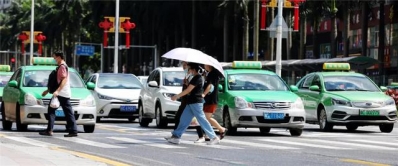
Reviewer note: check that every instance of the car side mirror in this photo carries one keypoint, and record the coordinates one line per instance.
(314, 88)
(153, 84)
(90, 85)
(383, 88)
(293, 88)
(220, 89)
(13, 84)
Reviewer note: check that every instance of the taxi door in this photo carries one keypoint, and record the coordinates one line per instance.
(313, 98)
(307, 97)
(11, 96)
(222, 95)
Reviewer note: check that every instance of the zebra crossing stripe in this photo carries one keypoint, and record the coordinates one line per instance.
(31, 141)
(352, 144)
(210, 146)
(268, 146)
(376, 142)
(303, 144)
(90, 143)
(147, 143)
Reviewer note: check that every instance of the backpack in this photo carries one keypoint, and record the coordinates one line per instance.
(52, 84)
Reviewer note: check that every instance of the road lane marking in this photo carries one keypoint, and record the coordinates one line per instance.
(37, 127)
(90, 143)
(31, 141)
(120, 131)
(135, 141)
(257, 144)
(352, 144)
(363, 162)
(210, 146)
(304, 144)
(376, 142)
(92, 157)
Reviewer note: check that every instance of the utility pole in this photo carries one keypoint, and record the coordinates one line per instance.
(278, 65)
(116, 51)
(255, 29)
(382, 34)
(32, 29)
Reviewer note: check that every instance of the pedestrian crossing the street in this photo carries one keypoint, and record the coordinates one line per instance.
(277, 143)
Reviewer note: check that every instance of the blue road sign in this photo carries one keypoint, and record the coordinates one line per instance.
(83, 50)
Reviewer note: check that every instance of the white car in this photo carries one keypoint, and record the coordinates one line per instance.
(155, 102)
(143, 79)
(116, 95)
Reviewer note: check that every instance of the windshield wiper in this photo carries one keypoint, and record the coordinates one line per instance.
(336, 89)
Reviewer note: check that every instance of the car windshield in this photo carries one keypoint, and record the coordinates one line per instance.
(4, 80)
(39, 78)
(173, 78)
(349, 83)
(118, 81)
(245, 81)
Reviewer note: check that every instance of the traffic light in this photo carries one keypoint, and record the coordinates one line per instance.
(12, 60)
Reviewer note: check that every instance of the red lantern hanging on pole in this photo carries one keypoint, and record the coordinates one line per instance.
(40, 38)
(127, 25)
(23, 36)
(296, 14)
(106, 25)
(263, 14)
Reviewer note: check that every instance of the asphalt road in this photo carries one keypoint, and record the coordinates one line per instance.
(131, 144)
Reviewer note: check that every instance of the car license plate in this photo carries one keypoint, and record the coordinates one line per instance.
(59, 113)
(269, 115)
(369, 113)
(128, 108)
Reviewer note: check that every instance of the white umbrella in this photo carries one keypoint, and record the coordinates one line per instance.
(193, 55)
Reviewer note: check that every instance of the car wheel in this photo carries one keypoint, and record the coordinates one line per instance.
(295, 132)
(89, 128)
(323, 121)
(7, 125)
(144, 122)
(265, 130)
(161, 122)
(132, 119)
(351, 127)
(20, 126)
(386, 128)
(228, 124)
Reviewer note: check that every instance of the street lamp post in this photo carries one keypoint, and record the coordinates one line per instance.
(32, 23)
(278, 65)
(116, 51)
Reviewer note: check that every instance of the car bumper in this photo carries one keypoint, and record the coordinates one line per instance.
(344, 115)
(294, 118)
(170, 108)
(112, 110)
(38, 115)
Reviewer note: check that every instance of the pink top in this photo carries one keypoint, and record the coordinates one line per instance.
(62, 73)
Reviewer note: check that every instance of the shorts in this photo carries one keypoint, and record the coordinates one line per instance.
(210, 108)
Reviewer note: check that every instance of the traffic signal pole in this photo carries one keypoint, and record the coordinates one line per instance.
(116, 51)
(32, 29)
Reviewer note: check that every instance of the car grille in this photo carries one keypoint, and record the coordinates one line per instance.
(122, 102)
(367, 104)
(272, 105)
(73, 102)
(261, 119)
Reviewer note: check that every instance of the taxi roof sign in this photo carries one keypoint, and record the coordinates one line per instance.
(247, 65)
(394, 83)
(336, 66)
(5, 68)
(44, 61)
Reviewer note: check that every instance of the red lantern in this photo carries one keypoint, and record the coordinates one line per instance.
(23, 37)
(263, 14)
(106, 25)
(40, 38)
(296, 14)
(127, 25)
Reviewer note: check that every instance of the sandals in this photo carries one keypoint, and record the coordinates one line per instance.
(222, 134)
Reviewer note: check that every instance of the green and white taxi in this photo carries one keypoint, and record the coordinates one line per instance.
(336, 96)
(5, 75)
(250, 97)
(24, 105)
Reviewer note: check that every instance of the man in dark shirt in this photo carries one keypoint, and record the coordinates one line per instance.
(211, 99)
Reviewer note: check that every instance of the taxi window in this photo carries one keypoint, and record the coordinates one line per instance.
(118, 81)
(256, 82)
(349, 83)
(4, 80)
(307, 82)
(39, 78)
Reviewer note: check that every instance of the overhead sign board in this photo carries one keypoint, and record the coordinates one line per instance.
(84, 50)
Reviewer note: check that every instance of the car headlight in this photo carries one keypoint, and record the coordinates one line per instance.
(32, 100)
(104, 97)
(88, 101)
(298, 104)
(168, 95)
(389, 102)
(341, 102)
(242, 103)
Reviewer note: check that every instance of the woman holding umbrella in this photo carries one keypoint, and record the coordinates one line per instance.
(194, 108)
